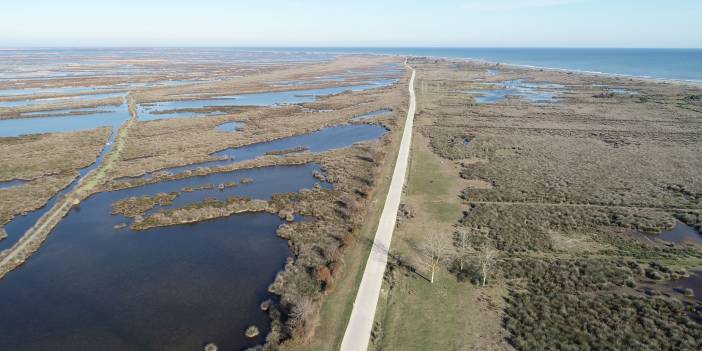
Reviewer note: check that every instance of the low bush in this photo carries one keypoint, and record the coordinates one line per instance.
(570, 321)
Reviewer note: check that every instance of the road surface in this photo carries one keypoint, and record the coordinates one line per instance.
(358, 330)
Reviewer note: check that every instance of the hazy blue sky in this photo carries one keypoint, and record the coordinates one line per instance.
(552, 23)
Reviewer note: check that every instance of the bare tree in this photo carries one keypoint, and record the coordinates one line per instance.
(300, 313)
(462, 245)
(435, 250)
(487, 256)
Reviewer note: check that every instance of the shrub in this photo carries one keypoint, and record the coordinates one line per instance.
(252, 332)
(600, 322)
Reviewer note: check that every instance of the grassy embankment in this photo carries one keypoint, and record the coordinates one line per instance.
(414, 314)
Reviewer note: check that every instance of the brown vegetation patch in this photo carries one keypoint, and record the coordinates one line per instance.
(49, 161)
(134, 206)
(32, 156)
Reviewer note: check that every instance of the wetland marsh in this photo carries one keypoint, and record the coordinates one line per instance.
(583, 192)
(180, 261)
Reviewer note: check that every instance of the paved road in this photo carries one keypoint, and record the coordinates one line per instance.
(358, 330)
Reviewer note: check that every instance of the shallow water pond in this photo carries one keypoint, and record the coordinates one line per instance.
(534, 92)
(694, 282)
(681, 234)
(371, 115)
(493, 72)
(230, 126)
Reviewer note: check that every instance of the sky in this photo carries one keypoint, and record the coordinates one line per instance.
(461, 23)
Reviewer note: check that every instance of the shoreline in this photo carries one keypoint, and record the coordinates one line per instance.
(692, 82)
(648, 79)
(333, 51)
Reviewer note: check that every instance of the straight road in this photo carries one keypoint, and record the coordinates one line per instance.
(358, 331)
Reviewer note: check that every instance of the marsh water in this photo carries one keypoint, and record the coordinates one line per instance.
(11, 183)
(49, 100)
(169, 109)
(98, 285)
(21, 223)
(230, 126)
(326, 139)
(681, 234)
(114, 116)
(21, 64)
(534, 92)
(67, 120)
(371, 115)
(694, 282)
(323, 140)
(165, 288)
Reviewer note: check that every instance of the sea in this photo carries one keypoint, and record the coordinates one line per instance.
(667, 64)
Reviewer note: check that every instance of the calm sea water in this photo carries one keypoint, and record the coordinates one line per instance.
(678, 64)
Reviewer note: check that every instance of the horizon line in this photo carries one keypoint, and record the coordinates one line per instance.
(30, 47)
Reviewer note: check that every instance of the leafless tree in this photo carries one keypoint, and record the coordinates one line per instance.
(487, 256)
(300, 313)
(462, 245)
(435, 250)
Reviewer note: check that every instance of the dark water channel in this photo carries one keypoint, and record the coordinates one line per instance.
(94, 287)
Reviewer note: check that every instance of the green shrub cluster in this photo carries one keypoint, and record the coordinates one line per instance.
(557, 275)
(572, 305)
(601, 322)
(693, 219)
